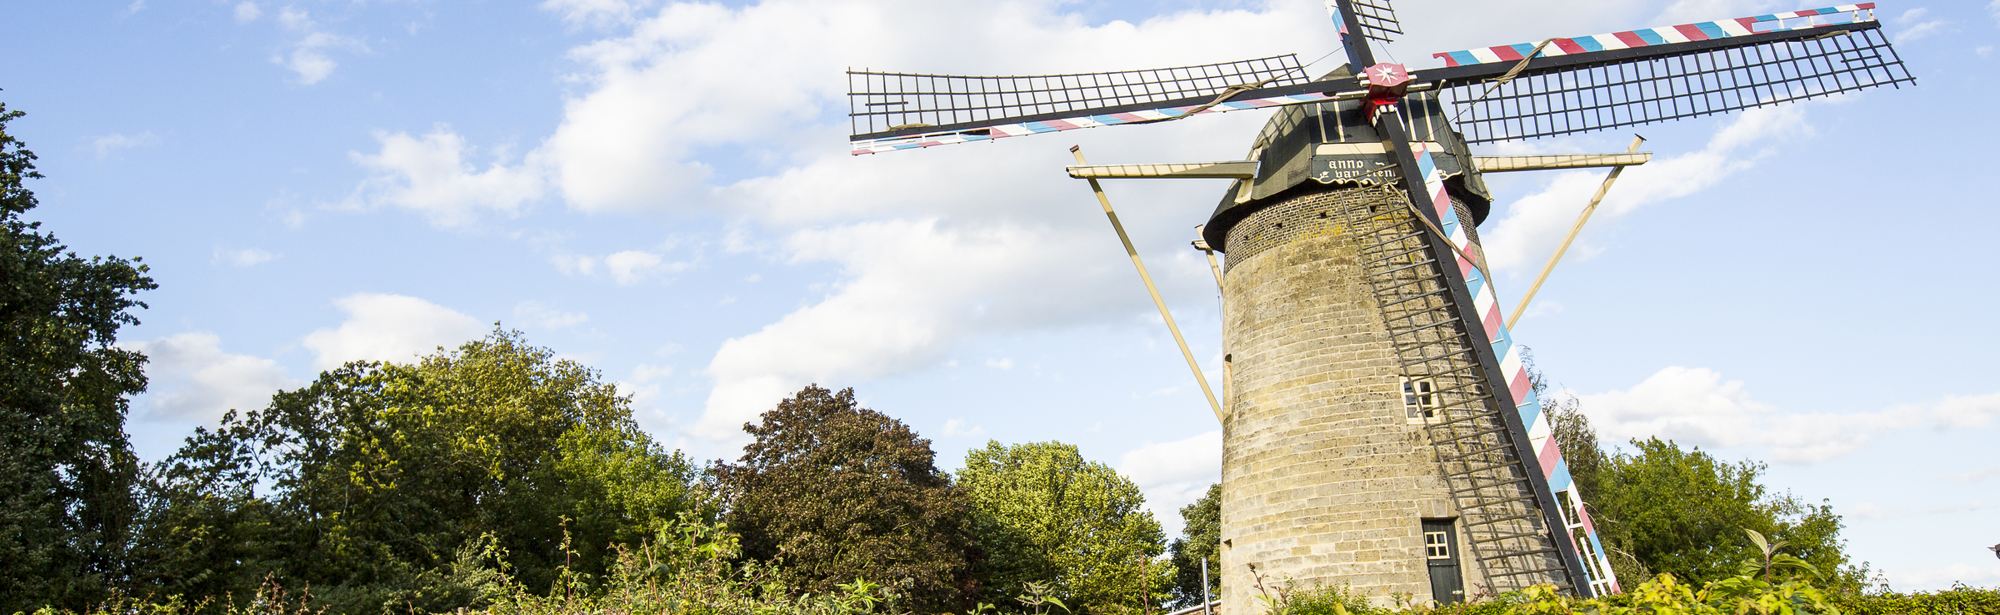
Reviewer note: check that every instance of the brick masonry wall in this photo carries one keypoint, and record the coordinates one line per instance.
(1325, 480)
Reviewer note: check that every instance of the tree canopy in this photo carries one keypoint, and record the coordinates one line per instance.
(1045, 515)
(1663, 509)
(66, 467)
(1201, 537)
(838, 492)
(373, 481)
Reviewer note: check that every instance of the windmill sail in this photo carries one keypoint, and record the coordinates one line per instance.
(892, 111)
(1571, 85)
(1377, 18)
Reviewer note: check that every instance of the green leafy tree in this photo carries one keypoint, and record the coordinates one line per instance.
(66, 468)
(1045, 515)
(1662, 509)
(375, 483)
(1201, 537)
(837, 493)
(1684, 513)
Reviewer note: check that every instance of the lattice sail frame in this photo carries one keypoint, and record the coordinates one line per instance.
(1377, 18)
(881, 102)
(1591, 83)
(1604, 81)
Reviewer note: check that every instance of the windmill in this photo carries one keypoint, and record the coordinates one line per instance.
(1379, 428)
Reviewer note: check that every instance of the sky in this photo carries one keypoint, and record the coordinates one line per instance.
(663, 191)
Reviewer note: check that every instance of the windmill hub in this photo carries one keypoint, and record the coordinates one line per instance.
(1386, 85)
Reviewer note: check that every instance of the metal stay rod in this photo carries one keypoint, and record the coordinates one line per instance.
(1105, 201)
(1581, 218)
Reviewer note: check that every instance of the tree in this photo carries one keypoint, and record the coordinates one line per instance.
(383, 479)
(1044, 515)
(66, 468)
(1662, 509)
(1683, 512)
(837, 492)
(1201, 537)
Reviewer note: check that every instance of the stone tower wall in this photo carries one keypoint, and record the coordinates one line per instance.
(1325, 479)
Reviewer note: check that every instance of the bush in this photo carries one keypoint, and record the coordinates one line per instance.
(687, 569)
(1959, 600)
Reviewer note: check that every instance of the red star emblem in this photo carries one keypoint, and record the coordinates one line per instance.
(1387, 75)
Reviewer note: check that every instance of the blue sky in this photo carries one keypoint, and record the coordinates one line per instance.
(662, 191)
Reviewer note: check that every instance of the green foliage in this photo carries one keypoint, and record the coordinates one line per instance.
(66, 468)
(1201, 537)
(382, 475)
(1290, 599)
(1682, 512)
(1662, 509)
(1044, 515)
(838, 492)
(688, 568)
(1959, 600)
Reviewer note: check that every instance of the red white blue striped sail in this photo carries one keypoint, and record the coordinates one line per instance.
(1708, 30)
(1541, 434)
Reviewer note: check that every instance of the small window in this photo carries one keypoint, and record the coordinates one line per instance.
(1437, 545)
(1420, 398)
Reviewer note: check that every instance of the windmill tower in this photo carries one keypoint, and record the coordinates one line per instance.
(1379, 428)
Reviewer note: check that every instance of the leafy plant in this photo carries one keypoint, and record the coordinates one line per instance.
(1035, 596)
(1772, 559)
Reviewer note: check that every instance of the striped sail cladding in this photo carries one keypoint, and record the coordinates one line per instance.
(1709, 30)
(1540, 435)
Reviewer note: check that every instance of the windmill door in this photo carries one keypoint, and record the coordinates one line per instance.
(1441, 555)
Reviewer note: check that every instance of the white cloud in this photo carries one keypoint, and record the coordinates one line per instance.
(1966, 412)
(246, 257)
(631, 266)
(1983, 51)
(309, 59)
(1174, 474)
(956, 428)
(135, 7)
(572, 264)
(1994, 8)
(649, 373)
(111, 143)
(648, 395)
(191, 378)
(1875, 512)
(1194, 459)
(1914, 26)
(431, 176)
(1979, 474)
(247, 12)
(598, 12)
(543, 316)
(911, 290)
(389, 328)
(1532, 227)
(626, 268)
(1696, 406)
(1984, 574)
(1000, 364)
